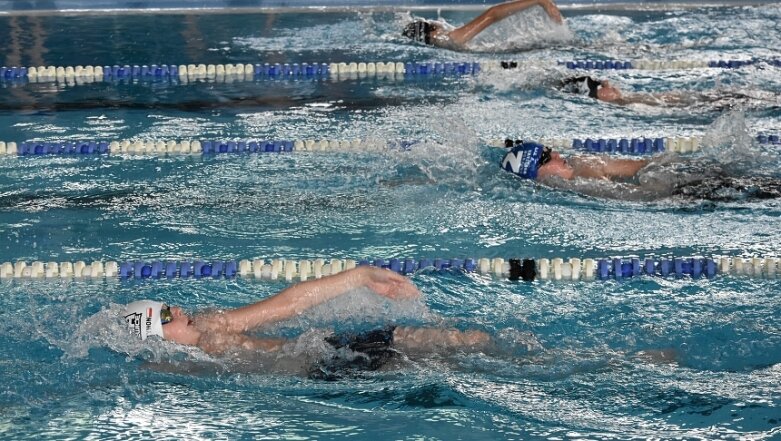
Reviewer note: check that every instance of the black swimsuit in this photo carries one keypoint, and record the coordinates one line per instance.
(727, 188)
(368, 351)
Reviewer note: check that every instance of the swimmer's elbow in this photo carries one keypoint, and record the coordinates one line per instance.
(454, 39)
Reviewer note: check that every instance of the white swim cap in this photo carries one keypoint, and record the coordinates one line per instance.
(143, 317)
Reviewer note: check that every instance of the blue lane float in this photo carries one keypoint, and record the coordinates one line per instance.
(657, 64)
(768, 139)
(217, 147)
(442, 69)
(596, 65)
(631, 146)
(197, 269)
(626, 146)
(259, 70)
(62, 148)
(676, 267)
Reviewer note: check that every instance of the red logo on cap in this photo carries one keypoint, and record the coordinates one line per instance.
(149, 312)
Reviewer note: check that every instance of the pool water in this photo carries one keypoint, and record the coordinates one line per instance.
(640, 358)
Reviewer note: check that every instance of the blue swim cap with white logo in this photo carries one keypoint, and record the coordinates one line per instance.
(523, 160)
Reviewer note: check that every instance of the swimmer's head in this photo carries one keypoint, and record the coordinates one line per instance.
(419, 30)
(555, 167)
(146, 318)
(598, 89)
(581, 85)
(525, 158)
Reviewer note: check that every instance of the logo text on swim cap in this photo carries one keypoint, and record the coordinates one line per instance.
(148, 320)
(518, 161)
(134, 320)
(522, 160)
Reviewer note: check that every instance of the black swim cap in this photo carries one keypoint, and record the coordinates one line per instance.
(582, 85)
(419, 30)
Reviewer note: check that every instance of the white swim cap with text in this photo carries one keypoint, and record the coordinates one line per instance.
(143, 318)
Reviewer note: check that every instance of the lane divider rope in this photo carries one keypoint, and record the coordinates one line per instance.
(631, 146)
(250, 72)
(234, 72)
(627, 146)
(559, 269)
(645, 64)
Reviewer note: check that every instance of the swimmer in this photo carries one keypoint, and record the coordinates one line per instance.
(533, 161)
(440, 34)
(226, 331)
(633, 179)
(605, 91)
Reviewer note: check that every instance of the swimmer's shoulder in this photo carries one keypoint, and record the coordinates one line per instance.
(589, 167)
(443, 38)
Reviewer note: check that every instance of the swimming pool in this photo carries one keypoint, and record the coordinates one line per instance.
(573, 366)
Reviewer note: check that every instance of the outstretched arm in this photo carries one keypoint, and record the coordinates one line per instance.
(605, 167)
(498, 12)
(606, 189)
(302, 296)
(431, 339)
(623, 168)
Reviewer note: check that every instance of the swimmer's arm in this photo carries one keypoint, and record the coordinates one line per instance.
(410, 339)
(602, 188)
(623, 168)
(605, 167)
(496, 13)
(218, 343)
(264, 344)
(649, 99)
(302, 296)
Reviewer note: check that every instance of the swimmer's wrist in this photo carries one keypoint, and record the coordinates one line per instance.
(358, 276)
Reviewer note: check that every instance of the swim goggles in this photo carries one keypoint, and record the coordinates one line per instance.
(165, 315)
(545, 156)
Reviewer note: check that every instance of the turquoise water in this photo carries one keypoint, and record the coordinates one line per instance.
(572, 359)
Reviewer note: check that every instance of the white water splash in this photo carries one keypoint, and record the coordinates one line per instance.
(728, 143)
(522, 31)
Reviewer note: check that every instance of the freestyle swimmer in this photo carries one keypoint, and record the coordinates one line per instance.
(605, 91)
(441, 34)
(226, 331)
(633, 179)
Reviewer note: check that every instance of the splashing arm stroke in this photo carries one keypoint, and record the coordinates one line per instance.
(300, 297)
(467, 32)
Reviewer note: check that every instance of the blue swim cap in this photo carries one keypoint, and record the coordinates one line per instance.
(523, 160)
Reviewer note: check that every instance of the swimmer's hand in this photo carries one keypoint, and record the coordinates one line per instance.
(552, 10)
(387, 283)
